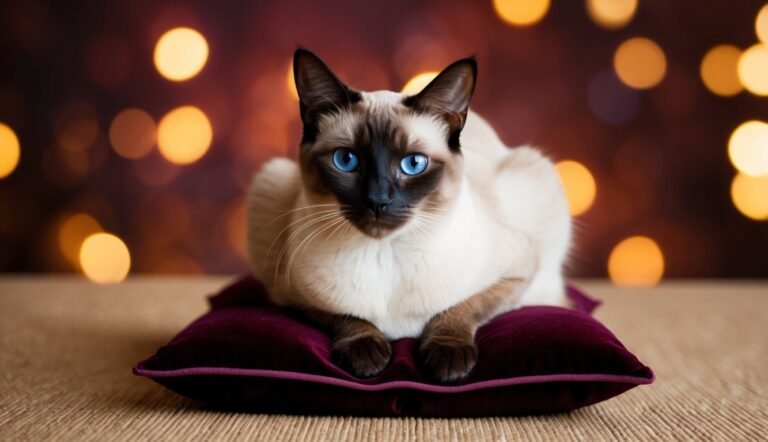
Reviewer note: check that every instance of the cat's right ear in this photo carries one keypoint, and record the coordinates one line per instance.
(319, 90)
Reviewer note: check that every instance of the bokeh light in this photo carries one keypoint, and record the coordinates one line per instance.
(72, 231)
(104, 258)
(750, 195)
(290, 82)
(184, 135)
(77, 127)
(10, 150)
(132, 133)
(748, 148)
(636, 261)
(180, 54)
(761, 24)
(640, 63)
(611, 14)
(719, 70)
(753, 69)
(579, 185)
(418, 82)
(521, 12)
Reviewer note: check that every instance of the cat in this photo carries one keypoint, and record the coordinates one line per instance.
(405, 216)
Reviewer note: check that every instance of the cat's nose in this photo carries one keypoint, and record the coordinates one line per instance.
(378, 204)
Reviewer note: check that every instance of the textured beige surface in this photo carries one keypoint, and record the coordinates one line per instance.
(67, 347)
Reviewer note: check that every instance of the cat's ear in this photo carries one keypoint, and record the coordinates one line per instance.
(448, 95)
(318, 88)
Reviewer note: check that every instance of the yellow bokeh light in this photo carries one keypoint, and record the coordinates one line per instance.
(748, 148)
(636, 261)
(105, 258)
(750, 196)
(719, 70)
(180, 54)
(418, 82)
(753, 69)
(761, 24)
(10, 151)
(611, 14)
(290, 82)
(640, 63)
(72, 232)
(521, 12)
(579, 185)
(132, 133)
(184, 135)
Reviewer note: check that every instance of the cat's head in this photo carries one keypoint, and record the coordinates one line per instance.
(387, 158)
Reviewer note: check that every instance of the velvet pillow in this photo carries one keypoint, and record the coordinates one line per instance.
(248, 354)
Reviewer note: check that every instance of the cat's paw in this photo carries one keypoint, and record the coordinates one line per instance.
(363, 356)
(446, 359)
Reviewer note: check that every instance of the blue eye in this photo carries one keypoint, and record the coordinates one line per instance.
(345, 160)
(414, 164)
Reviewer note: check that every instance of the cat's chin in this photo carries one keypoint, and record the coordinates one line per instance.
(378, 228)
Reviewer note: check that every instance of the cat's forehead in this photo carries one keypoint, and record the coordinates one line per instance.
(382, 114)
(382, 100)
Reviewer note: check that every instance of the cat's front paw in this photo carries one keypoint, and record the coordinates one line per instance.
(363, 356)
(447, 359)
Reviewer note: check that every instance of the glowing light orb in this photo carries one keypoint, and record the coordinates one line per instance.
(184, 135)
(761, 24)
(418, 82)
(180, 54)
(521, 12)
(79, 134)
(72, 232)
(579, 185)
(640, 63)
(748, 148)
(10, 151)
(750, 196)
(132, 133)
(753, 69)
(105, 258)
(719, 70)
(290, 82)
(611, 14)
(636, 261)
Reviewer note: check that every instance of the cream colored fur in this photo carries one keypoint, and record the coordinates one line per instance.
(510, 220)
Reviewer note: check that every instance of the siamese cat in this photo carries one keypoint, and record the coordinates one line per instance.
(405, 216)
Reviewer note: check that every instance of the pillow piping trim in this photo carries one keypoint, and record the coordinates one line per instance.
(391, 385)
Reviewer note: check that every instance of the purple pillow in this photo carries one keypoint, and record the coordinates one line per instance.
(249, 354)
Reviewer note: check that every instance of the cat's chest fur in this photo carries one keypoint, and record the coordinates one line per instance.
(398, 283)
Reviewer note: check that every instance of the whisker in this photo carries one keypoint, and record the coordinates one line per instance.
(288, 212)
(294, 222)
(286, 244)
(305, 243)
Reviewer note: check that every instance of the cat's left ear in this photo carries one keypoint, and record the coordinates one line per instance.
(319, 90)
(448, 95)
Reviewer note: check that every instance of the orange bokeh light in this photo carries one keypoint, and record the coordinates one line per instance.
(10, 151)
(132, 133)
(180, 54)
(640, 63)
(418, 82)
(579, 185)
(636, 262)
(719, 70)
(184, 135)
(521, 12)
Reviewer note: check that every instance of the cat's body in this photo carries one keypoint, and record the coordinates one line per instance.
(482, 230)
(511, 214)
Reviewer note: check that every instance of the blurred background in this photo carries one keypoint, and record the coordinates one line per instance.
(129, 130)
